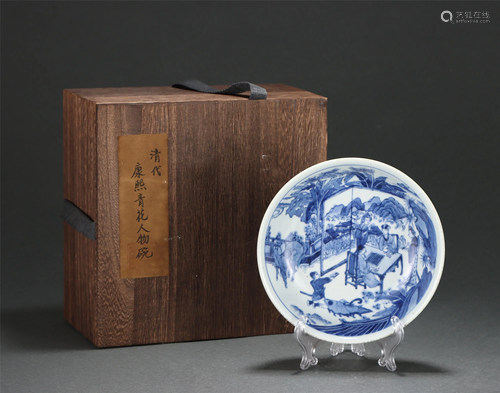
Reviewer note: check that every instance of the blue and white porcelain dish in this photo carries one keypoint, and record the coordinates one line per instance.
(350, 243)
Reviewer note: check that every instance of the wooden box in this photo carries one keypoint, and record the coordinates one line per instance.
(224, 160)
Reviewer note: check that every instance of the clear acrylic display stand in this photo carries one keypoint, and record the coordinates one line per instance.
(388, 345)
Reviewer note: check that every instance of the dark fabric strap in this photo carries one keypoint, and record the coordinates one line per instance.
(256, 92)
(78, 219)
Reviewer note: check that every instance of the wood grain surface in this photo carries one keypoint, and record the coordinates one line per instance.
(227, 158)
(80, 187)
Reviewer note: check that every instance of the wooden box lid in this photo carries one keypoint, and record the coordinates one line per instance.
(154, 95)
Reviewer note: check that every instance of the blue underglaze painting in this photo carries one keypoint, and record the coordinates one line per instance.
(349, 248)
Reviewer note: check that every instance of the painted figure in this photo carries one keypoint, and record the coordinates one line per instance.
(364, 274)
(287, 257)
(362, 264)
(387, 243)
(361, 231)
(292, 255)
(278, 260)
(318, 283)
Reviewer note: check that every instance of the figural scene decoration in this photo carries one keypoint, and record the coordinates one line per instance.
(350, 243)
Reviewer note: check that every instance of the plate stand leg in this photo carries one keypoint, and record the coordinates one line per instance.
(307, 343)
(358, 349)
(336, 349)
(389, 345)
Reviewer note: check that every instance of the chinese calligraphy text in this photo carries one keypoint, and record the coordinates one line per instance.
(143, 185)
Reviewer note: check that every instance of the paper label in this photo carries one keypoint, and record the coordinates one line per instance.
(143, 193)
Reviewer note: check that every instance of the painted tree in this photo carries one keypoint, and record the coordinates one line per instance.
(306, 199)
(367, 179)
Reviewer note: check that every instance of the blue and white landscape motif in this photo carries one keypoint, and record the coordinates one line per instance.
(349, 248)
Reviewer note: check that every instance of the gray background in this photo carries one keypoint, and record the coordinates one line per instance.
(403, 87)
